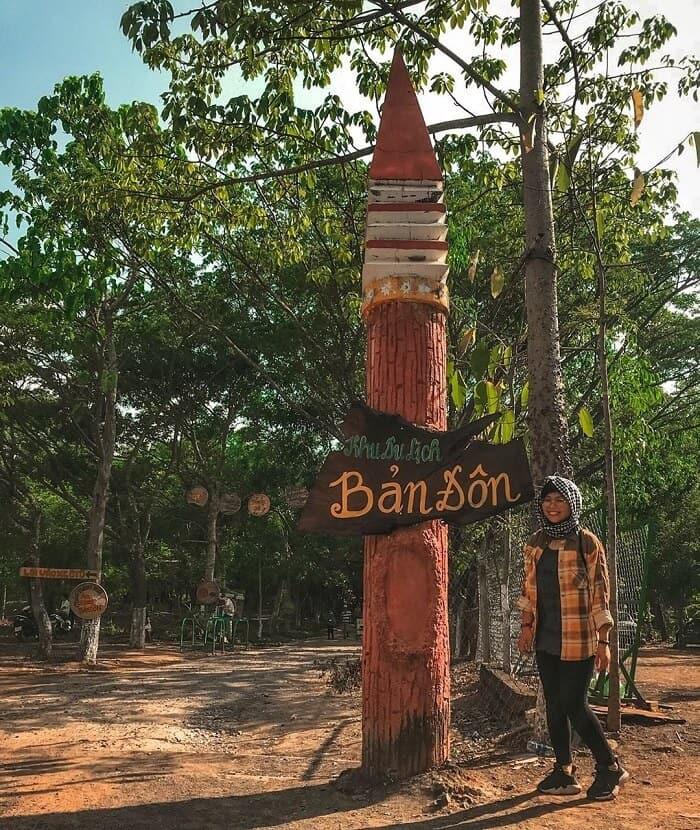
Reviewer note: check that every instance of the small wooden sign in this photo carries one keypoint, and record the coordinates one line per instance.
(296, 497)
(208, 593)
(230, 503)
(259, 504)
(197, 495)
(88, 600)
(57, 573)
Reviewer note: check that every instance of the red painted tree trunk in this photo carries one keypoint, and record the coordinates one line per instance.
(406, 681)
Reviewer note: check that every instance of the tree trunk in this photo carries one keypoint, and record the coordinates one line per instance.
(36, 595)
(106, 436)
(137, 635)
(260, 598)
(282, 591)
(614, 720)
(659, 617)
(41, 617)
(546, 413)
(212, 525)
(406, 680)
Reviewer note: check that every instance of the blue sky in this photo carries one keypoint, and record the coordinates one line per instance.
(42, 41)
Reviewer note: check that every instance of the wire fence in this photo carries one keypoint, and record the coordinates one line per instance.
(501, 574)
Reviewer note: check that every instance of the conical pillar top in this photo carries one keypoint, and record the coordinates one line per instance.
(403, 151)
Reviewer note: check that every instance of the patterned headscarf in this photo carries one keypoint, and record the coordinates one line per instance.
(572, 494)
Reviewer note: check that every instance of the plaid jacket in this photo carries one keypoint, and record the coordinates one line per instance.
(584, 594)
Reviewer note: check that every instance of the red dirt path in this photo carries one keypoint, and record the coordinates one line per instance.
(160, 740)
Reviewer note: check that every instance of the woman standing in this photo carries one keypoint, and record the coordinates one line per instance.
(566, 618)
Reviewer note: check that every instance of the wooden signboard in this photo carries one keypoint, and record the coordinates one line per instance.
(296, 497)
(391, 473)
(57, 573)
(88, 600)
(259, 504)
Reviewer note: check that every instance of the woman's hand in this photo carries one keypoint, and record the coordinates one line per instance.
(602, 657)
(525, 639)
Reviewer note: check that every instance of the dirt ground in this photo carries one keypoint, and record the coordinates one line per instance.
(256, 740)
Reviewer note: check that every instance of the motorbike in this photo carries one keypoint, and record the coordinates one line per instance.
(24, 625)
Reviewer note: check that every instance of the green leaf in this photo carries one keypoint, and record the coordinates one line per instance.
(479, 360)
(599, 223)
(480, 397)
(525, 395)
(507, 426)
(458, 390)
(563, 178)
(586, 421)
(495, 357)
(553, 170)
(493, 396)
(573, 148)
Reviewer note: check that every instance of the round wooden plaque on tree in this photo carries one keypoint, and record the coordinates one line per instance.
(88, 600)
(259, 504)
(197, 495)
(230, 503)
(207, 593)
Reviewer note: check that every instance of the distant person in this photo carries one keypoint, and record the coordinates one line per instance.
(330, 625)
(347, 622)
(66, 611)
(148, 630)
(565, 604)
(227, 609)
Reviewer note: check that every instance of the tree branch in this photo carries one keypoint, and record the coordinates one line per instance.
(442, 126)
(433, 41)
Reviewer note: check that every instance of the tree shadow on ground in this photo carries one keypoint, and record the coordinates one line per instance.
(55, 698)
(272, 809)
(17, 777)
(244, 812)
(507, 812)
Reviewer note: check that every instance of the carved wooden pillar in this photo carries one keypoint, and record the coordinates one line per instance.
(406, 681)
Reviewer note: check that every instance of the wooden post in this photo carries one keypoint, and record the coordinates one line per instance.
(506, 661)
(484, 637)
(614, 719)
(406, 681)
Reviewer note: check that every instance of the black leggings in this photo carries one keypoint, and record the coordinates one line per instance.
(565, 685)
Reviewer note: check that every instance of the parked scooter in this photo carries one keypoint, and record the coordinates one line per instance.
(25, 628)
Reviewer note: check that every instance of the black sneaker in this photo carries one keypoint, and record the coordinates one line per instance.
(559, 782)
(606, 783)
